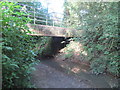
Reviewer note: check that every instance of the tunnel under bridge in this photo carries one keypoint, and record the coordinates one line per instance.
(53, 45)
(60, 36)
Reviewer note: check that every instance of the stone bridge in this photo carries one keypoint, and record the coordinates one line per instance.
(45, 30)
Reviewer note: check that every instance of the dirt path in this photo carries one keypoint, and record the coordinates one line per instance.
(48, 77)
(50, 74)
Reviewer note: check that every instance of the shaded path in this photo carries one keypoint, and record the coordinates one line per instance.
(48, 77)
(49, 74)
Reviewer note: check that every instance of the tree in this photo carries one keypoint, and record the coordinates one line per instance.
(100, 23)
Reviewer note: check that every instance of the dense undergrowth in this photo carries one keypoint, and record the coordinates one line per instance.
(18, 49)
(100, 38)
(43, 46)
(17, 53)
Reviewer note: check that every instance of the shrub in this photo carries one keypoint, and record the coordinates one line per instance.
(17, 54)
(43, 46)
(100, 24)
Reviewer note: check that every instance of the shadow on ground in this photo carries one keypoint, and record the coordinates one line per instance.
(54, 74)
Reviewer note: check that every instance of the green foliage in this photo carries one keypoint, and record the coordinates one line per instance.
(43, 46)
(100, 23)
(17, 54)
(69, 53)
(98, 65)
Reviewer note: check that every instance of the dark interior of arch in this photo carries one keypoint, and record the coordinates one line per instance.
(57, 43)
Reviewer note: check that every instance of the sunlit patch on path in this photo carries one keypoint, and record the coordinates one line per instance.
(47, 77)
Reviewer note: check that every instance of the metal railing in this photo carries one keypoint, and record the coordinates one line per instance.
(45, 18)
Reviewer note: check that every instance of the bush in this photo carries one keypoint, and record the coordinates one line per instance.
(100, 24)
(43, 46)
(101, 37)
(17, 47)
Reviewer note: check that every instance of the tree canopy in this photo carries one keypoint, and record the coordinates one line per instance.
(99, 20)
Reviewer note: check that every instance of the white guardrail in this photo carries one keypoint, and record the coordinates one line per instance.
(47, 18)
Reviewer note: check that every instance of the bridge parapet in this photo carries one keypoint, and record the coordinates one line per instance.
(45, 30)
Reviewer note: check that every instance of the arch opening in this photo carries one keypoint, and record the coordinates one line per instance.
(57, 43)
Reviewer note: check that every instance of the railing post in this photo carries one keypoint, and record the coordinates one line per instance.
(60, 23)
(53, 23)
(34, 15)
(46, 20)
